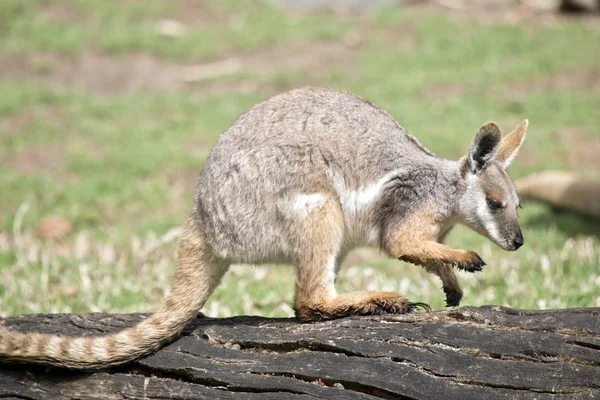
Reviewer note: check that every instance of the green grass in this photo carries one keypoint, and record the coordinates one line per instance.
(119, 27)
(120, 167)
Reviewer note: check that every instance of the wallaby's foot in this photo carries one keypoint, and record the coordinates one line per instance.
(453, 297)
(358, 303)
(471, 263)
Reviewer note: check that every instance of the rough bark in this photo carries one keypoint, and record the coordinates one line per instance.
(466, 353)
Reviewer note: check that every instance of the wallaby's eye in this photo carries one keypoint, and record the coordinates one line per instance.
(493, 203)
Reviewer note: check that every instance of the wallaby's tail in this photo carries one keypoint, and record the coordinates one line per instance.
(196, 277)
(562, 190)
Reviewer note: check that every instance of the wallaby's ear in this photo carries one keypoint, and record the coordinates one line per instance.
(509, 145)
(484, 147)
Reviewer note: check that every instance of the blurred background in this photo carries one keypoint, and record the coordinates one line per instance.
(108, 110)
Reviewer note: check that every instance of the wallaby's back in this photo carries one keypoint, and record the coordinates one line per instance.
(309, 140)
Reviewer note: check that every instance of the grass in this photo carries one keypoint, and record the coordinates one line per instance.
(117, 27)
(121, 166)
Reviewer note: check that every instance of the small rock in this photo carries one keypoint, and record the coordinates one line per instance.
(170, 28)
(232, 346)
(202, 72)
(54, 227)
(338, 385)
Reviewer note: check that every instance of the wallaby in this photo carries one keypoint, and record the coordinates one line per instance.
(303, 178)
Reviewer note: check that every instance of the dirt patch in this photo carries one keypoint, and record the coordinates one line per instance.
(585, 80)
(63, 12)
(198, 12)
(582, 151)
(446, 90)
(199, 145)
(189, 12)
(314, 56)
(12, 125)
(92, 71)
(132, 73)
(400, 38)
(527, 157)
(182, 183)
(38, 159)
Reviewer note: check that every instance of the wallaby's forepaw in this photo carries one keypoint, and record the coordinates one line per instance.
(471, 263)
(453, 297)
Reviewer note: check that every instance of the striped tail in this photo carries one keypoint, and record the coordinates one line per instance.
(93, 352)
(197, 276)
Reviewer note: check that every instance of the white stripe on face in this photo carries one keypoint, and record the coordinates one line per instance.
(484, 214)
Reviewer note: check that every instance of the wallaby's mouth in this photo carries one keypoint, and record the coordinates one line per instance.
(513, 244)
(517, 240)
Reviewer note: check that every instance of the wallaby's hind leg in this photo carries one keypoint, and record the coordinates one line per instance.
(317, 235)
(357, 303)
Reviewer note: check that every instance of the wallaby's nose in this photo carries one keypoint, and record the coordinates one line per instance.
(518, 240)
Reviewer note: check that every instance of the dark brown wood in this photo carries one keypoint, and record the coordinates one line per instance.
(465, 353)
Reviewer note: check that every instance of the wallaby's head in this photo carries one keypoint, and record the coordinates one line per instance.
(489, 202)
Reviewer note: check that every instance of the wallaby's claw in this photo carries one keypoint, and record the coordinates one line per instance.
(474, 265)
(405, 308)
(415, 307)
(452, 297)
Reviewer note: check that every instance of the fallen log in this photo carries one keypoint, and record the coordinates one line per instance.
(563, 191)
(464, 353)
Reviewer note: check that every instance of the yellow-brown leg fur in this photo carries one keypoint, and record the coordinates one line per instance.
(414, 242)
(317, 248)
(357, 303)
(450, 283)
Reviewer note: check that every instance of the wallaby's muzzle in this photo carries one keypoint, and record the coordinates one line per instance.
(518, 240)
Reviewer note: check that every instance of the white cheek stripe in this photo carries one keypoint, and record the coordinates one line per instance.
(483, 212)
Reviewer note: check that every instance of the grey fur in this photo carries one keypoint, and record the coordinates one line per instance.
(312, 140)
